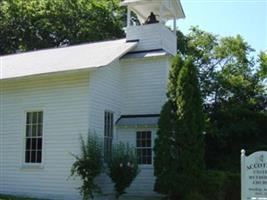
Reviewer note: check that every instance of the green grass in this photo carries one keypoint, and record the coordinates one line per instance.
(8, 197)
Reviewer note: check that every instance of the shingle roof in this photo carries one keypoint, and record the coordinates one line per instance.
(70, 58)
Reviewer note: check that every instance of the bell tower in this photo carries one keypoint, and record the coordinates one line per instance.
(152, 32)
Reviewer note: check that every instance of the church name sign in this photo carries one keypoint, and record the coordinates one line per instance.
(254, 176)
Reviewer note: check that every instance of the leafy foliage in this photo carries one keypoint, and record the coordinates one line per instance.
(179, 150)
(122, 167)
(220, 185)
(195, 196)
(263, 65)
(36, 24)
(228, 71)
(88, 165)
(233, 90)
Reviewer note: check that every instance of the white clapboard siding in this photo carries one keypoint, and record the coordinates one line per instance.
(143, 185)
(144, 85)
(73, 104)
(105, 92)
(153, 36)
(64, 101)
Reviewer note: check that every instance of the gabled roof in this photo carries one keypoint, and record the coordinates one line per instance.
(92, 55)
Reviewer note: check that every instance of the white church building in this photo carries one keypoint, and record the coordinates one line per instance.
(48, 98)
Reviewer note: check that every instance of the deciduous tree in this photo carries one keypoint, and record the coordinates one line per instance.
(36, 24)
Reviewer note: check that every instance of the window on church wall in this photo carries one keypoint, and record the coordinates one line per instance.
(108, 134)
(144, 147)
(34, 137)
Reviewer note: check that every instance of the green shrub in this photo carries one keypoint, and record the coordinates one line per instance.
(88, 165)
(122, 167)
(233, 187)
(220, 185)
(194, 196)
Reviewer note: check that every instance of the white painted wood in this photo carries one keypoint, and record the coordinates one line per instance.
(105, 92)
(142, 8)
(144, 183)
(152, 36)
(144, 84)
(128, 17)
(64, 102)
(77, 57)
(74, 103)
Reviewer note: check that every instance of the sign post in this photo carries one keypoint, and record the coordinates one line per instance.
(254, 176)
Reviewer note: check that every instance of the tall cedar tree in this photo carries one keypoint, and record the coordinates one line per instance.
(179, 149)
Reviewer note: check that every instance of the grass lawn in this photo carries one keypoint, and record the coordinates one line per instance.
(7, 197)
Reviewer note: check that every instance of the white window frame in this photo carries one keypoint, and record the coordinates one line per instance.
(108, 134)
(142, 148)
(32, 164)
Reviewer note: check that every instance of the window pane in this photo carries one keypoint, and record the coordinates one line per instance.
(138, 143)
(148, 135)
(138, 135)
(33, 141)
(143, 145)
(28, 130)
(33, 156)
(39, 145)
(34, 130)
(40, 117)
(34, 117)
(39, 156)
(108, 133)
(40, 130)
(29, 118)
(105, 124)
(27, 156)
(111, 125)
(28, 143)
(148, 143)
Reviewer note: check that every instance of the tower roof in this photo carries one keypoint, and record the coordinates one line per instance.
(167, 9)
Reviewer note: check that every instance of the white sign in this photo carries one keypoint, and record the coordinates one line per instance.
(254, 176)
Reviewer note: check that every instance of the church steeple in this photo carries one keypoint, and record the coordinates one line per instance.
(152, 32)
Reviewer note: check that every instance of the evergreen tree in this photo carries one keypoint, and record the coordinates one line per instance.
(179, 150)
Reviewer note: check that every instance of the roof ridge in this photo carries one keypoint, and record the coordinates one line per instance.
(57, 48)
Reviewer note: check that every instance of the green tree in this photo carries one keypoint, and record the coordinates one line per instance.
(263, 64)
(228, 70)
(88, 165)
(233, 91)
(36, 24)
(179, 150)
(122, 167)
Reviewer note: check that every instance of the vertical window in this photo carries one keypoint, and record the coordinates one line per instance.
(34, 137)
(144, 147)
(108, 135)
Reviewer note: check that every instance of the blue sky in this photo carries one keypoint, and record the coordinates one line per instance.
(229, 18)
